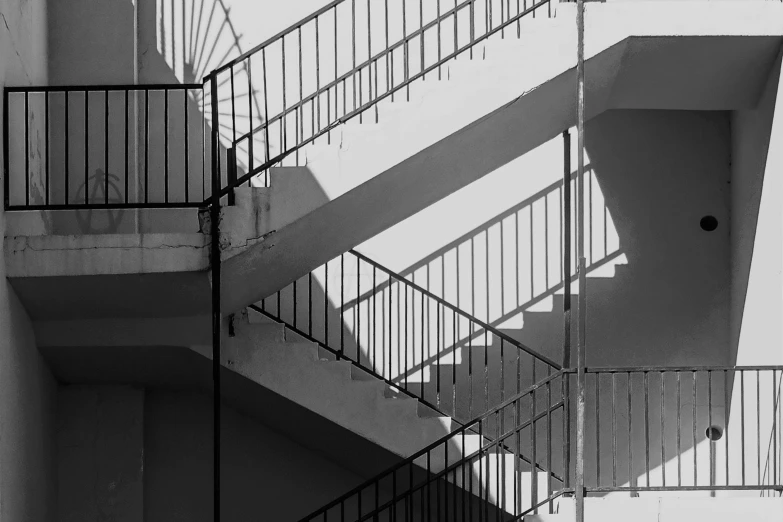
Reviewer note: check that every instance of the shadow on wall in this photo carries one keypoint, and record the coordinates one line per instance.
(153, 143)
(660, 173)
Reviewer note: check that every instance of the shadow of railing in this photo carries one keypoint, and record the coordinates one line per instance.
(526, 244)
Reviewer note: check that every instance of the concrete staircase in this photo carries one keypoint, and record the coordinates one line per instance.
(271, 355)
(486, 113)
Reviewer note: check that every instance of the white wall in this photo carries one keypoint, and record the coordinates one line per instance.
(757, 260)
(757, 230)
(27, 389)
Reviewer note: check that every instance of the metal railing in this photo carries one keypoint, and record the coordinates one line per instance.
(648, 429)
(342, 61)
(321, 72)
(504, 464)
(683, 429)
(118, 146)
(414, 340)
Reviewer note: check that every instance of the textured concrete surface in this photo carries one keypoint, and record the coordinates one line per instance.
(371, 183)
(100, 453)
(667, 510)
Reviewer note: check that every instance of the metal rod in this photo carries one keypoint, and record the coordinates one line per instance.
(86, 147)
(581, 312)
(216, 308)
(6, 150)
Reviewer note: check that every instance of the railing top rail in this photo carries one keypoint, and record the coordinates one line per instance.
(272, 39)
(339, 121)
(458, 311)
(359, 66)
(115, 87)
(451, 467)
(642, 369)
(443, 440)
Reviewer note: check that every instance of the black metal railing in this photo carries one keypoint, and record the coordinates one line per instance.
(647, 429)
(504, 464)
(683, 429)
(146, 145)
(414, 340)
(119, 146)
(342, 61)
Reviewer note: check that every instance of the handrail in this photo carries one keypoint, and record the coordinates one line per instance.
(411, 460)
(371, 371)
(459, 311)
(452, 467)
(289, 29)
(296, 109)
(328, 348)
(107, 87)
(345, 76)
(399, 332)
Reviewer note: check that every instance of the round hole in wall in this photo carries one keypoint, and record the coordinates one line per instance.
(714, 433)
(708, 223)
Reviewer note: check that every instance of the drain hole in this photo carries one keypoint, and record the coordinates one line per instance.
(708, 223)
(714, 433)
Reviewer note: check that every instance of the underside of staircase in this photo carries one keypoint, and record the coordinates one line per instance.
(477, 117)
(464, 418)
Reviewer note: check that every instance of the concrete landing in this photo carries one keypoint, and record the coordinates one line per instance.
(669, 510)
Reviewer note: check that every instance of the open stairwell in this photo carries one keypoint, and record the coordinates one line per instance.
(358, 179)
(269, 354)
(380, 379)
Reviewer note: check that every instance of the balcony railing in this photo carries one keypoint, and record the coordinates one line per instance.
(149, 145)
(692, 430)
(119, 146)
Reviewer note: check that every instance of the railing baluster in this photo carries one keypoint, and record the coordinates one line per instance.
(693, 429)
(318, 71)
(126, 132)
(597, 431)
(742, 421)
(105, 145)
(614, 431)
(758, 425)
(679, 431)
(166, 137)
(710, 434)
(631, 478)
(663, 429)
(147, 145)
(421, 38)
(86, 149)
(326, 304)
(342, 304)
(726, 404)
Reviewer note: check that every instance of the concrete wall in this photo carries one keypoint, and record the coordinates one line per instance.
(27, 389)
(757, 258)
(161, 41)
(653, 176)
(757, 253)
(100, 453)
(658, 290)
(264, 473)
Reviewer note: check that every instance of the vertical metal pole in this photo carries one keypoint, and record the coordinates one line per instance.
(567, 304)
(6, 152)
(580, 376)
(216, 317)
